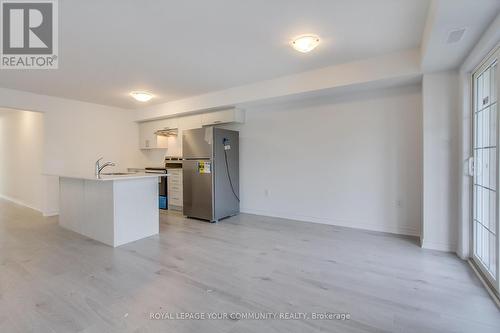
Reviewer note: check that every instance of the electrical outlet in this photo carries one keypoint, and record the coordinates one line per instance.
(266, 192)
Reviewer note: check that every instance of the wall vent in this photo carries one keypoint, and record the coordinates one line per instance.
(455, 36)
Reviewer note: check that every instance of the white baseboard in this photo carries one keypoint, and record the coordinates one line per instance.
(446, 247)
(53, 213)
(24, 204)
(19, 202)
(400, 230)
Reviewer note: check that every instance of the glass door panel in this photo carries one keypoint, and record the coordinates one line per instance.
(485, 185)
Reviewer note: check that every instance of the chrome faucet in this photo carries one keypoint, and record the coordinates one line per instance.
(99, 167)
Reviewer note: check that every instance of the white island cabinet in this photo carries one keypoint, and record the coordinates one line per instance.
(114, 210)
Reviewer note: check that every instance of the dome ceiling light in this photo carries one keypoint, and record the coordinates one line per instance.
(305, 43)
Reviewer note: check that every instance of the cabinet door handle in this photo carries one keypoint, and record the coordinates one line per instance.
(217, 122)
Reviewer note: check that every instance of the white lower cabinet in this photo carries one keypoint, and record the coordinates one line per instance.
(174, 184)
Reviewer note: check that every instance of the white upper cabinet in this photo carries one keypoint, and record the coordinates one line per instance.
(166, 123)
(147, 137)
(223, 117)
(149, 140)
(189, 122)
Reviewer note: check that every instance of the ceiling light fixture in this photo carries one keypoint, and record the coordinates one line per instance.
(305, 43)
(141, 96)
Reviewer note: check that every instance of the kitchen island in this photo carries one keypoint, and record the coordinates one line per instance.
(112, 209)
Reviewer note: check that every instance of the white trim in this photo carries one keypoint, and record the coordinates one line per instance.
(52, 213)
(400, 230)
(445, 247)
(492, 57)
(489, 40)
(485, 60)
(24, 204)
(19, 202)
(466, 181)
(492, 294)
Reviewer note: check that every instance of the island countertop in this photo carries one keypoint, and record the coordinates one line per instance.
(108, 177)
(115, 209)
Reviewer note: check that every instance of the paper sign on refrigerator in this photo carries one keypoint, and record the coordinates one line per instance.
(204, 167)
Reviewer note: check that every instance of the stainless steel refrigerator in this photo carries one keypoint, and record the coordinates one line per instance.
(210, 172)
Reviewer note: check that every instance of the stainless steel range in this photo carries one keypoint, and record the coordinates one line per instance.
(171, 163)
(162, 186)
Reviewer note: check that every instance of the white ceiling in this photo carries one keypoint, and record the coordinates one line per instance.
(449, 15)
(182, 48)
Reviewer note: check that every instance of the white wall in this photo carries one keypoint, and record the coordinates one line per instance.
(442, 169)
(76, 137)
(351, 160)
(76, 134)
(21, 156)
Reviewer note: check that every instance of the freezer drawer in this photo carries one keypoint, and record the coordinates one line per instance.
(197, 191)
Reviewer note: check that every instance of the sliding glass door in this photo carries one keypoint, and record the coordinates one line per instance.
(485, 236)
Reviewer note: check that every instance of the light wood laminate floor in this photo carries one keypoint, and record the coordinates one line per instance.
(54, 280)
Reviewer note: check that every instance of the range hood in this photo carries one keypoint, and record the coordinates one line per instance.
(167, 132)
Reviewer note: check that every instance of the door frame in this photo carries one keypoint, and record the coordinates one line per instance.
(487, 61)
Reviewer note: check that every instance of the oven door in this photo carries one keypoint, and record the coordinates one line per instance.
(162, 186)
